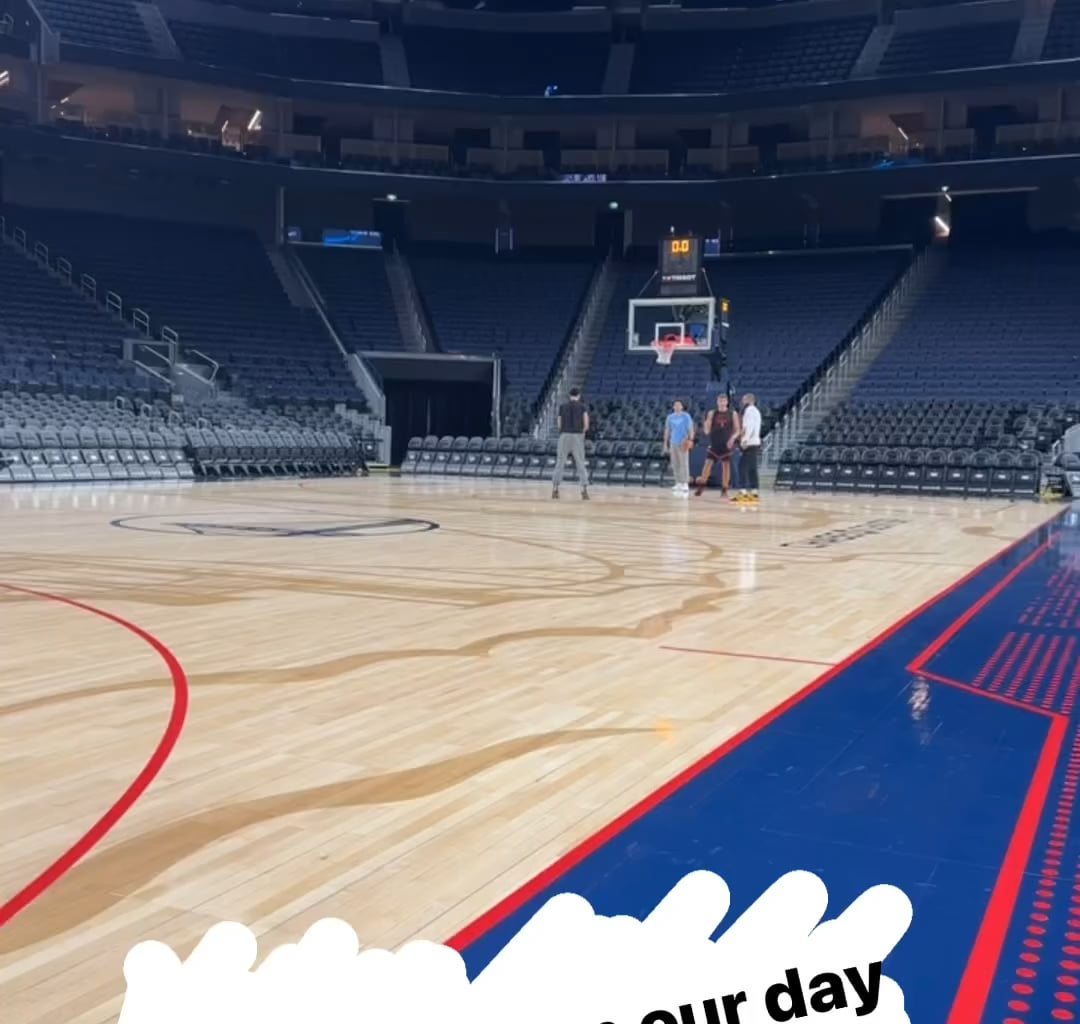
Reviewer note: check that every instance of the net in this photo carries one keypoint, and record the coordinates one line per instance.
(664, 351)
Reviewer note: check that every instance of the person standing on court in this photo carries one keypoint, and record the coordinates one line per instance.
(573, 426)
(722, 429)
(678, 440)
(750, 443)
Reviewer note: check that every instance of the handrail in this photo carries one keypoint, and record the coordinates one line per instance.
(570, 339)
(154, 352)
(172, 339)
(842, 347)
(213, 363)
(153, 373)
(88, 288)
(421, 315)
(787, 429)
(373, 392)
(561, 369)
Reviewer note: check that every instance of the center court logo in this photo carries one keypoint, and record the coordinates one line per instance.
(778, 962)
(223, 527)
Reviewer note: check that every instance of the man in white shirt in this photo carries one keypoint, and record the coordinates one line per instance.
(750, 445)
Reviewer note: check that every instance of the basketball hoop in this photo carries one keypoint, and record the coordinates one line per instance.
(664, 351)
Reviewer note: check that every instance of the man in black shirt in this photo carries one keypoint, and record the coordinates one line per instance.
(573, 426)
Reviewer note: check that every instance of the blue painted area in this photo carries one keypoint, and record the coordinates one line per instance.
(876, 777)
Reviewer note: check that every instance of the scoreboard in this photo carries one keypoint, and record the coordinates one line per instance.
(680, 265)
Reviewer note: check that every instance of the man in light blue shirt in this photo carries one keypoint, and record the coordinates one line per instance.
(678, 440)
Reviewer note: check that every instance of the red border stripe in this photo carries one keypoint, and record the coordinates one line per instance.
(981, 969)
(519, 897)
(60, 867)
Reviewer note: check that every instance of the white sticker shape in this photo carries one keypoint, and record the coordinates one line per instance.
(778, 962)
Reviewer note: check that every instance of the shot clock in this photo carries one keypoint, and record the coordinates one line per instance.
(680, 265)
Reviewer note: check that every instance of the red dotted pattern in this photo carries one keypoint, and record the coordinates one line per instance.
(1059, 675)
(1032, 668)
(1010, 663)
(1061, 605)
(1006, 642)
(1041, 958)
(1025, 666)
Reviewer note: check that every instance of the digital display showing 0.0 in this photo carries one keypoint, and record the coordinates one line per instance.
(680, 263)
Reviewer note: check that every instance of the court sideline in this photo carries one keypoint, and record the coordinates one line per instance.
(536, 640)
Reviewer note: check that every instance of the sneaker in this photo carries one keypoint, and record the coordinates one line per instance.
(699, 490)
(554, 493)
(584, 493)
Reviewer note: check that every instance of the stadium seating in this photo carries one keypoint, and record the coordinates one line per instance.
(1063, 35)
(725, 60)
(354, 287)
(315, 58)
(507, 64)
(966, 449)
(217, 288)
(1009, 318)
(521, 306)
(967, 46)
(775, 345)
(63, 438)
(627, 463)
(53, 339)
(971, 394)
(102, 24)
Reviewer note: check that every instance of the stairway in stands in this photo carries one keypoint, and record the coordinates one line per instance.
(867, 346)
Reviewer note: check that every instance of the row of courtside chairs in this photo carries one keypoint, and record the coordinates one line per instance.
(61, 465)
(960, 473)
(223, 453)
(175, 455)
(633, 463)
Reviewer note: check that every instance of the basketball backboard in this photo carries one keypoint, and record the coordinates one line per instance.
(688, 322)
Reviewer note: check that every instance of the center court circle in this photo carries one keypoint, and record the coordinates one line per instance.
(225, 527)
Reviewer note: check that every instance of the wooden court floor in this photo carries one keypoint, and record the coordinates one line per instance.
(407, 697)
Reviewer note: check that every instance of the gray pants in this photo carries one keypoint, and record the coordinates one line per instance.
(574, 446)
(680, 464)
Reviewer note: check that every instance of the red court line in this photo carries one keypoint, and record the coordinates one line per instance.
(981, 970)
(1011, 702)
(979, 974)
(519, 897)
(750, 657)
(931, 651)
(55, 871)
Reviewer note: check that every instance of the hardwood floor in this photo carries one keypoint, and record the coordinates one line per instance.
(406, 696)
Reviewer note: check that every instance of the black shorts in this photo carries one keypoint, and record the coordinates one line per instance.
(716, 456)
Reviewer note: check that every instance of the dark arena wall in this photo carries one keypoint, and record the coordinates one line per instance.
(780, 214)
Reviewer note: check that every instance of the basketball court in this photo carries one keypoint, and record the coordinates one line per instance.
(424, 706)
